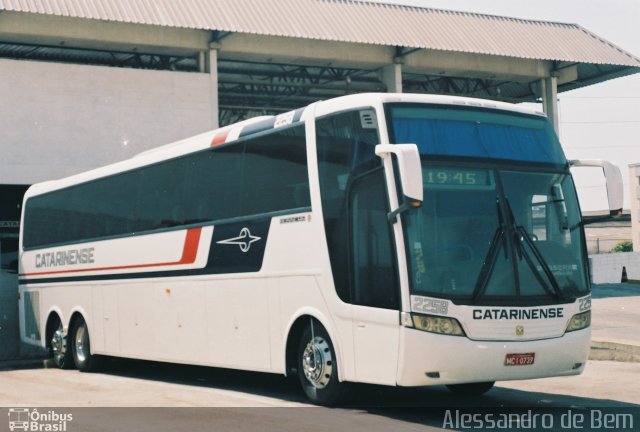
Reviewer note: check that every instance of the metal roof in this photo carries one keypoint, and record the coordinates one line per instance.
(353, 21)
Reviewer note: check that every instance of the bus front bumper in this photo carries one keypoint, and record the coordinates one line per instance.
(432, 359)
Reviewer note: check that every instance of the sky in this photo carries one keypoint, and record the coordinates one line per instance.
(601, 121)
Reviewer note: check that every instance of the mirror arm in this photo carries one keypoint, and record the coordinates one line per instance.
(392, 216)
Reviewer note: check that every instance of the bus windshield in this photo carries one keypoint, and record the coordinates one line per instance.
(492, 232)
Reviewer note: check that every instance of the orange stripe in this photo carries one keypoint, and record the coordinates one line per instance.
(189, 253)
(220, 138)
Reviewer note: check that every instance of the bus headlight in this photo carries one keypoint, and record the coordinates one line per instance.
(579, 321)
(437, 324)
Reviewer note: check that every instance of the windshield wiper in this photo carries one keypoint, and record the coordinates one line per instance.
(499, 240)
(520, 233)
(490, 259)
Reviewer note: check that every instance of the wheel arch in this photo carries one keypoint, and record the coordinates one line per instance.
(54, 317)
(294, 332)
(75, 316)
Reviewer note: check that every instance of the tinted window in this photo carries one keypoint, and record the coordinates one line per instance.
(372, 253)
(465, 132)
(213, 182)
(345, 148)
(259, 175)
(275, 173)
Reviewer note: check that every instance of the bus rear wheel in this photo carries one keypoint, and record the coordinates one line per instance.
(59, 348)
(81, 347)
(318, 368)
(471, 389)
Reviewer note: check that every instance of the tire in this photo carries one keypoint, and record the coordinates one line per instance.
(318, 368)
(59, 348)
(81, 348)
(471, 389)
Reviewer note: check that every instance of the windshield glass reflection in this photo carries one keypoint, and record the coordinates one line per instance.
(486, 236)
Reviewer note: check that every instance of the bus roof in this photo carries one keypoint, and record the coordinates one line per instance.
(369, 99)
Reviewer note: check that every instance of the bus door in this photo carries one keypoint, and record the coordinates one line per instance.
(354, 206)
(375, 287)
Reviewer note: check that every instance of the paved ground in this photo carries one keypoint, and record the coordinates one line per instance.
(147, 396)
(615, 322)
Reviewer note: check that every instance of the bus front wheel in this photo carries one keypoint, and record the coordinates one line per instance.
(81, 347)
(317, 366)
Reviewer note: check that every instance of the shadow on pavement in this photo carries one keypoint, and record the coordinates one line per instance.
(615, 290)
(363, 396)
(371, 408)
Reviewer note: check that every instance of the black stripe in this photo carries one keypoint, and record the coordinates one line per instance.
(224, 258)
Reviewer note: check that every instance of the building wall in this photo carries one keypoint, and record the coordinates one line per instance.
(634, 200)
(60, 119)
(608, 268)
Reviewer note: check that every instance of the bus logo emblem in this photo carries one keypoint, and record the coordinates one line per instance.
(519, 330)
(243, 240)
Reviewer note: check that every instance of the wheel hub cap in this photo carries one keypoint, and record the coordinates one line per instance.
(317, 362)
(58, 344)
(81, 348)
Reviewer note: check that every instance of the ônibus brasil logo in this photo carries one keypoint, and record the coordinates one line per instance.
(28, 419)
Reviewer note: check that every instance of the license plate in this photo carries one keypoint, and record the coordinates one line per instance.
(519, 359)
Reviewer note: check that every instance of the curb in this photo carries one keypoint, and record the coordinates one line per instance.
(614, 352)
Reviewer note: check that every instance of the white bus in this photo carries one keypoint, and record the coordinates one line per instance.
(393, 239)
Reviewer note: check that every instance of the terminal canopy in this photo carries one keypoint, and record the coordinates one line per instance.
(269, 57)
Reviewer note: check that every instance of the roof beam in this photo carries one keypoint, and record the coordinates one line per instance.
(403, 52)
(352, 86)
(241, 46)
(445, 63)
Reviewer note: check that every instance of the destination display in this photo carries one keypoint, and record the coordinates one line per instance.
(457, 178)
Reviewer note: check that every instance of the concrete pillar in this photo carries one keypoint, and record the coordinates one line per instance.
(549, 91)
(212, 69)
(391, 76)
(634, 191)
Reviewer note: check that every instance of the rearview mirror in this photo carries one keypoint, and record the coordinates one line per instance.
(410, 173)
(409, 166)
(614, 182)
